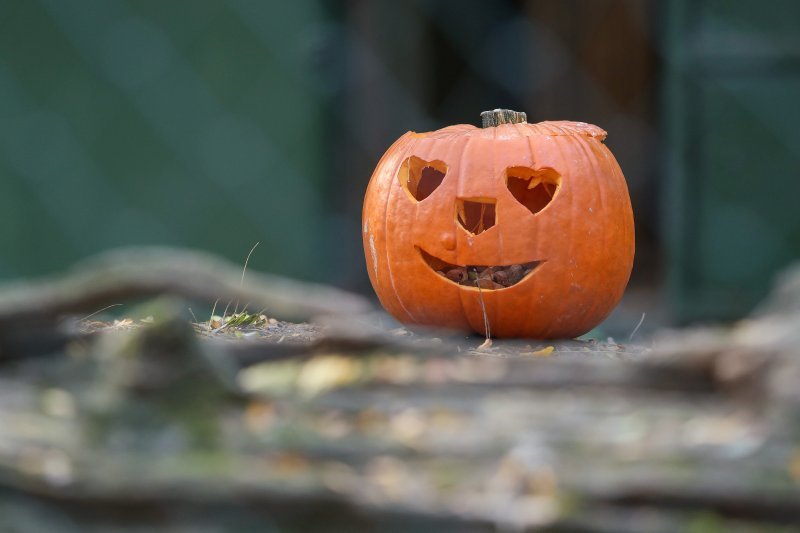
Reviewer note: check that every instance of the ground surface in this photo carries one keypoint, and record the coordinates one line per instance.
(161, 422)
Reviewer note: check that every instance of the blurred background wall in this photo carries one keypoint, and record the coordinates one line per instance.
(219, 124)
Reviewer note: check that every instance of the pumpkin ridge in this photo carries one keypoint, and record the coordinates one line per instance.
(592, 156)
(458, 192)
(385, 251)
(563, 303)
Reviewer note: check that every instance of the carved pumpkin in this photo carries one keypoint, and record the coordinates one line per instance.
(525, 226)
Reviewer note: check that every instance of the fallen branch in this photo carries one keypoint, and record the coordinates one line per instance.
(136, 273)
(30, 311)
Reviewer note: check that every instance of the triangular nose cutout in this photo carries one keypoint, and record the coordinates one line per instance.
(476, 215)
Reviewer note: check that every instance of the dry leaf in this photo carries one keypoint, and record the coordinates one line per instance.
(794, 465)
(326, 372)
(544, 352)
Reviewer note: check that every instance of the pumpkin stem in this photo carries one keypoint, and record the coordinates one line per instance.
(496, 117)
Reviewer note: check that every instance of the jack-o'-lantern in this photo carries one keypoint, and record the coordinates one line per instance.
(524, 230)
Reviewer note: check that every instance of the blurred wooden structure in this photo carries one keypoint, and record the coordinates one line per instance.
(153, 424)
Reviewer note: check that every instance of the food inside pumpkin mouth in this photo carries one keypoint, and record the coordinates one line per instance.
(487, 277)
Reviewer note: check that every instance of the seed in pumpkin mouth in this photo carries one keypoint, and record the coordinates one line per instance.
(485, 277)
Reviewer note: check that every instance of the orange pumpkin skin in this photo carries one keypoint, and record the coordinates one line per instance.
(583, 238)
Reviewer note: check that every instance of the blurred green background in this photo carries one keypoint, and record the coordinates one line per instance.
(192, 123)
(219, 124)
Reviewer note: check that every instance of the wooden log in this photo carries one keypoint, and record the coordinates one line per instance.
(30, 312)
(163, 426)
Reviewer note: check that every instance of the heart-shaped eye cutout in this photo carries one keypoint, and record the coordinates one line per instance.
(420, 178)
(533, 188)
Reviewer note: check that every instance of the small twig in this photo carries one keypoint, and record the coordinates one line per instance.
(213, 308)
(225, 312)
(244, 270)
(99, 311)
(637, 327)
(487, 330)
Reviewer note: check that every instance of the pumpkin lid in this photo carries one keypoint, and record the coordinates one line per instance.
(568, 127)
(516, 121)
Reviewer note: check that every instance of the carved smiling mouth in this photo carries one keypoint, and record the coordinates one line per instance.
(487, 277)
